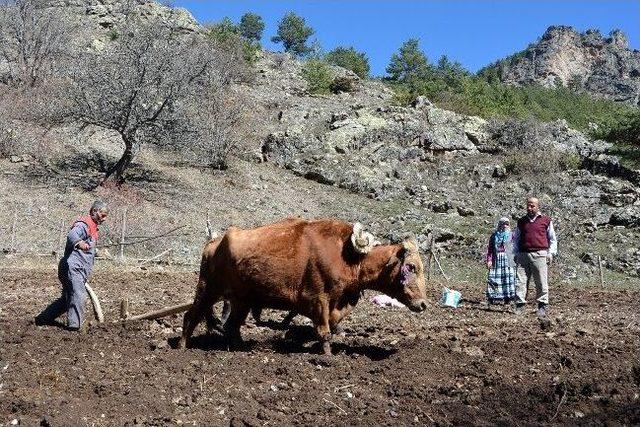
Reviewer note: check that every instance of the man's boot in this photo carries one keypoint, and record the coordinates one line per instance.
(519, 309)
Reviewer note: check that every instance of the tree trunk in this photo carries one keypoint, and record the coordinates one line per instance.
(115, 175)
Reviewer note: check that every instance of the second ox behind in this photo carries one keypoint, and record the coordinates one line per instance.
(314, 268)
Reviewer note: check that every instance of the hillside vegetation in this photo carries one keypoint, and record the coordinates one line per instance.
(430, 147)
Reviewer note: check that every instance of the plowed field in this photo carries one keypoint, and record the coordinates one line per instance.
(473, 365)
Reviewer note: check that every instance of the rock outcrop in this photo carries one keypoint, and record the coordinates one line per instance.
(108, 14)
(603, 66)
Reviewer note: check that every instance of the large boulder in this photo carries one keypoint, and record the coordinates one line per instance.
(447, 131)
(344, 134)
(628, 217)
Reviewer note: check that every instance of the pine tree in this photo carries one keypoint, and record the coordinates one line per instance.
(293, 33)
(251, 27)
(409, 64)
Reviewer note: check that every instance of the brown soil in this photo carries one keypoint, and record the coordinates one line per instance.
(473, 365)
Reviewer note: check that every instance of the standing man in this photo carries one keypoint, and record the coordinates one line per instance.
(535, 245)
(75, 268)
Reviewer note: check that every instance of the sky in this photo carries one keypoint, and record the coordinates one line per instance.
(474, 33)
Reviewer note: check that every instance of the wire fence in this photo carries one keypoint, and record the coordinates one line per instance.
(126, 236)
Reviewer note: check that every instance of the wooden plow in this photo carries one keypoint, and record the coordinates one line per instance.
(124, 309)
(167, 311)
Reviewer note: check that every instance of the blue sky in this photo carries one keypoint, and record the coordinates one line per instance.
(475, 33)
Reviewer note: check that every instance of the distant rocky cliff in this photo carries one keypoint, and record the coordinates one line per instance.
(603, 66)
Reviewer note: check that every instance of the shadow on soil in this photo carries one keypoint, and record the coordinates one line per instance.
(297, 340)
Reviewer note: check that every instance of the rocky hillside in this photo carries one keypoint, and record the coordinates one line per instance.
(360, 157)
(603, 66)
(96, 15)
(457, 172)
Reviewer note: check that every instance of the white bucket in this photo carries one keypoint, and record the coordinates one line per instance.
(450, 298)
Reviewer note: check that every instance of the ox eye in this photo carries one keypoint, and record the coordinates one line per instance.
(411, 267)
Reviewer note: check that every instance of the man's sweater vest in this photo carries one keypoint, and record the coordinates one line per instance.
(533, 235)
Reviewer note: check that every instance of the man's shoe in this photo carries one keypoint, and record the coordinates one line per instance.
(542, 310)
(519, 309)
(41, 321)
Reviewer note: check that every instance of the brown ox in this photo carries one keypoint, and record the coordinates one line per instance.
(213, 323)
(307, 266)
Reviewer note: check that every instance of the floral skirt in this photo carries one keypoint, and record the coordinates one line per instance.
(501, 281)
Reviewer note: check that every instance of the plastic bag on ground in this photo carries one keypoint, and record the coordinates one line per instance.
(386, 301)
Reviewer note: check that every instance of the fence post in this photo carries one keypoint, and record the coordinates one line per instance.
(429, 255)
(123, 230)
(124, 308)
(600, 270)
(13, 231)
(60, 240)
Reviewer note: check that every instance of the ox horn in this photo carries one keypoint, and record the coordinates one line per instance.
(410, 245)
(361, 240)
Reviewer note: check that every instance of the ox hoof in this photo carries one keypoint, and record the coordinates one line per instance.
(182, 344)
(326, 349)
(337, 330)
(234, 344)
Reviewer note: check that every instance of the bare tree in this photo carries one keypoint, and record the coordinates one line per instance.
(31, 39)
(148, 86)
(216, 127)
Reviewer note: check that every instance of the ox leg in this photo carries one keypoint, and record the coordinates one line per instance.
(336, 317)
(191, 319)
(324, 335)
(321, 324)
(213, 322)
(226, 309)
(237, 317)
(256, 313)
(202, 302)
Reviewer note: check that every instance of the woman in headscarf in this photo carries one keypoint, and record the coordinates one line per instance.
(501, 280)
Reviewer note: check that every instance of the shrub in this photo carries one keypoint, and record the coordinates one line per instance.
(624, 129)
(223, 31)
(343, 84)
(570, 162)
(34, 39)
(539, 162)
(351, 59)
(318, 76)
(250, 51)
(113, 34)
